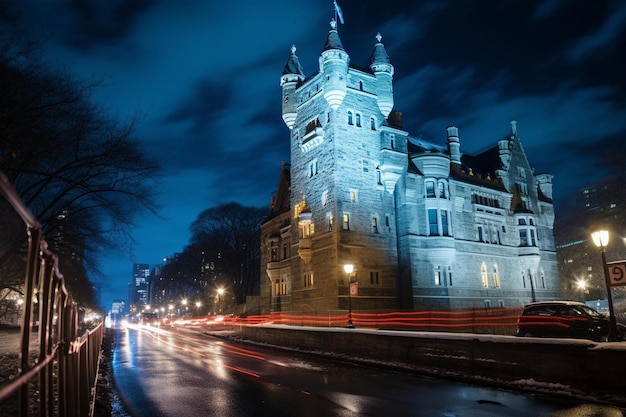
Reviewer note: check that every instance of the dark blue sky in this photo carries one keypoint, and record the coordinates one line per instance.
(204, 77)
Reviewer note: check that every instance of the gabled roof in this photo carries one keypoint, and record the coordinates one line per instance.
(281, 200)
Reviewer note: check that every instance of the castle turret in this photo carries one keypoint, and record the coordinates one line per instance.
(383, 71)
(292, 75)
(454, 145)
(334, 63)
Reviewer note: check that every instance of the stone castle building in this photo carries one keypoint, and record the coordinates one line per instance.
(425, 226)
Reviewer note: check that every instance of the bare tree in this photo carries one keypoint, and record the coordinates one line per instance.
(82, 173)
(230, 236)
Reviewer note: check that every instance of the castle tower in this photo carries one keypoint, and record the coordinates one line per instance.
(292, 75)
(334, 63)
(383, 71)
(340, 210)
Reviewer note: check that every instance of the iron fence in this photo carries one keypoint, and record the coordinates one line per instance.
(58, 360)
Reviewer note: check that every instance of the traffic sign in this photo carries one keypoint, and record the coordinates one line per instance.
(354, 289)
(617, 273)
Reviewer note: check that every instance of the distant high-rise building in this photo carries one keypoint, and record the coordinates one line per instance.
(141, 273)
(424, 225)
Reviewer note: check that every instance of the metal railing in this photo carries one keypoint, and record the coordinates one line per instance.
(58, 370)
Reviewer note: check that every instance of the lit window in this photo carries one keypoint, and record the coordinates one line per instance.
(496, 276)
(346, 221)
(353, 196)
(437, 275)
(308, 280)
(483, 275)
(330, 222)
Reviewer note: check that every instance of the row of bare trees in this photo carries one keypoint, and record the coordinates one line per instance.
(81, 172)
(223, 252)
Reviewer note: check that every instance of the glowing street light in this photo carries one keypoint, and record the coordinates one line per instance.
(198, 304)
(349, 268)
(601, 240)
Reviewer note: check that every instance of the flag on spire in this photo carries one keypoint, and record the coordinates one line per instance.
(338, 12)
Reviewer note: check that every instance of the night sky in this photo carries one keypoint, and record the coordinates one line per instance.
(204, 78)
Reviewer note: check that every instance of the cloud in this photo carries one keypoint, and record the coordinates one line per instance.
(607, 35)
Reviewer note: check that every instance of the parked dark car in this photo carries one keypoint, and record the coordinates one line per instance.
(564, 319)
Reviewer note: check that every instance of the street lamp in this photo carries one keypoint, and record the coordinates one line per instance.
(582, 284)
(220, 293)
(198, 304)
(601, 240)
(349, 268)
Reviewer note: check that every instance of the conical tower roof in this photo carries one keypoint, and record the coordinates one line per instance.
(379, 54)
(293, 64)
(333, 41)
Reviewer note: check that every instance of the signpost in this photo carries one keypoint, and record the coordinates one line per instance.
(617, 273)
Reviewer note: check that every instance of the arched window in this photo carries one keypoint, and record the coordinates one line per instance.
(372, 123)
(350, 118)
(430, 188)
(483, 275)
(496, 276)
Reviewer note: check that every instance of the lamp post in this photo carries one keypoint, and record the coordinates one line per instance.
(583, 287)
(198, 304)
(601, 240)
(220, 293)
(349, 268)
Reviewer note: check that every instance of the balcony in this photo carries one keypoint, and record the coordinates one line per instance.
(304, 249)
(312, 139)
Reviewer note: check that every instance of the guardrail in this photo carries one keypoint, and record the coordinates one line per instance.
(57, 370)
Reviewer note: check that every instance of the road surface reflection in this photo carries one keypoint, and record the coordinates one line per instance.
(183, 372)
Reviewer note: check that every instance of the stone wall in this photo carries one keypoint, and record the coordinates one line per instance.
(580, 366)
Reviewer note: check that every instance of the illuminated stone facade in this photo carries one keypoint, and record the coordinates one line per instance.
(424, 225)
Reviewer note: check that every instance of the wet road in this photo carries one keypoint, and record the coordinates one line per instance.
(173, 372)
